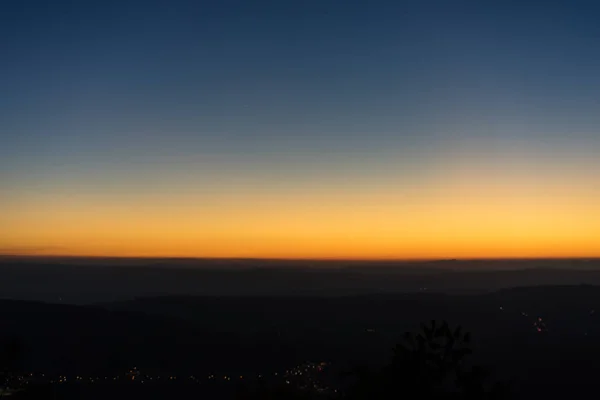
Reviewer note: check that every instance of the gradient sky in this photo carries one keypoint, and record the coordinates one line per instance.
(288, 128)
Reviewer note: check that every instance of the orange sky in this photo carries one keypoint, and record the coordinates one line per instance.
(458, 214)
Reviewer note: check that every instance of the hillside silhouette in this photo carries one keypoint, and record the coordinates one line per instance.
(88, 280)
(538, 338)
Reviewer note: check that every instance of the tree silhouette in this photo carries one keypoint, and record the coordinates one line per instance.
(428, 364)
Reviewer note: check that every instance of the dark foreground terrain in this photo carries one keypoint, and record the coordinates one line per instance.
(544, 341)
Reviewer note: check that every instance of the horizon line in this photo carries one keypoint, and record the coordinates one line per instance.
(321, 259)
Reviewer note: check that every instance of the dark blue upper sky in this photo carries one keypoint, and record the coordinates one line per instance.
(143, 85)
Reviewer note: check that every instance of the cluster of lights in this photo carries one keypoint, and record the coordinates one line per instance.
(135, 376)
(306, 377)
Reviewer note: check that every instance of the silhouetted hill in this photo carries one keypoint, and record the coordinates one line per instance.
(87, 340)
(252, 335)
(379, 311)
(84, 281)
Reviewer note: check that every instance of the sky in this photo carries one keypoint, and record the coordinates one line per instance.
(300, 129)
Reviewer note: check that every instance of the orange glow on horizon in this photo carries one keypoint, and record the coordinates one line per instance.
(500, 220)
